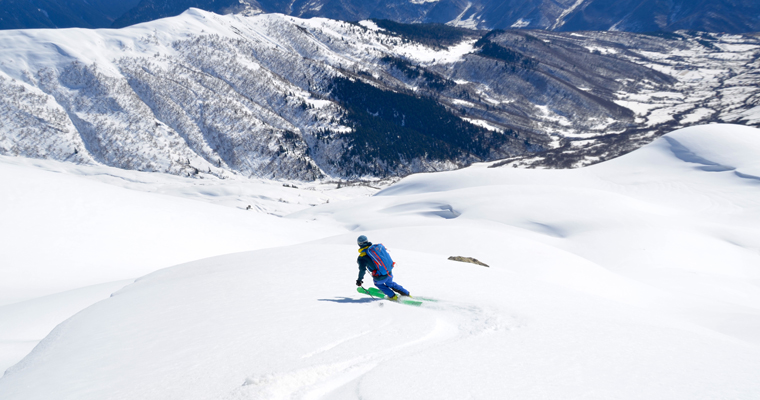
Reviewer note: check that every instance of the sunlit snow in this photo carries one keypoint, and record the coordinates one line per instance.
(635, 278)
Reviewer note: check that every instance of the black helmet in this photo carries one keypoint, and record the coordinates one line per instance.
(362, 240)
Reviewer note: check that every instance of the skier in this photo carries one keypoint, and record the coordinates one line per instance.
(381, 275)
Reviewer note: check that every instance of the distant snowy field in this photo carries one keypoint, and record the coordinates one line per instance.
(637, 278)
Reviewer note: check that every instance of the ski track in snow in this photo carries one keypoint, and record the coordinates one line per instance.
(451, 322)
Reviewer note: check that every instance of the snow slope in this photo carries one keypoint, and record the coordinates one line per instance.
(634, 278)
(96, 232)
(73, 234)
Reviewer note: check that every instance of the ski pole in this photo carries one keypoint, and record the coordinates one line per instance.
(367, 292)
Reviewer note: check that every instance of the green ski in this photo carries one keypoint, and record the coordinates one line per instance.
(375, 292)
(378, 293)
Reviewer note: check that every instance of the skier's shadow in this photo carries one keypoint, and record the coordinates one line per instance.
(348, 300)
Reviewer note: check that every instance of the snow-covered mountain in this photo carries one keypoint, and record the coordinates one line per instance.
(654, 15)
(616, 15)
(279, 97)
(566, 15)
(632, 278)
(149, 10)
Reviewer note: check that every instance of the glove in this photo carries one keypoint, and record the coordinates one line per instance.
(359, 282)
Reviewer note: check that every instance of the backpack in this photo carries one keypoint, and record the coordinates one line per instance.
(381, 259)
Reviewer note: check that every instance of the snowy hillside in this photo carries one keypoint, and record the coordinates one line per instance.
(74, 234)
(271, 96)
(633, 278)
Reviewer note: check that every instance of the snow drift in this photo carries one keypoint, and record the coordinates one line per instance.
(634, 278)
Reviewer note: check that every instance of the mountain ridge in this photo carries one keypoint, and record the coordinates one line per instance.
(209, 95)
(729, 16)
